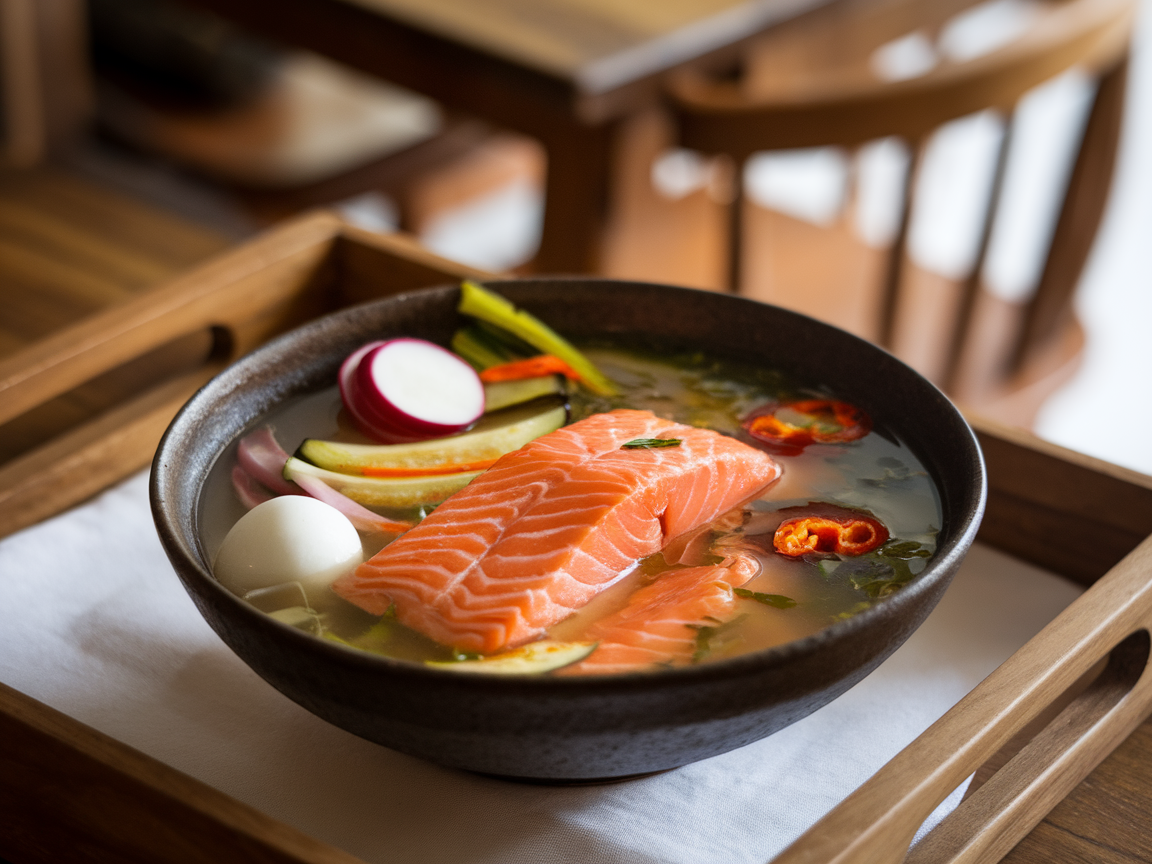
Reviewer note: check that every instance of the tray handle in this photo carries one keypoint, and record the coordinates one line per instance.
(877, 823)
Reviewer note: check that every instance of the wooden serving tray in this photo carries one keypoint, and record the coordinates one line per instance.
(1030, 732)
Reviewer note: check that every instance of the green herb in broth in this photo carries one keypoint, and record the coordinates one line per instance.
(894, 471)
(711, 638)
(778, 601)
(879, 573)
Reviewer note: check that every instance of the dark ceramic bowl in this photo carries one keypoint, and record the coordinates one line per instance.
(565, 729)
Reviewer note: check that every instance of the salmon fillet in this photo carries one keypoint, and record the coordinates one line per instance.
(660, 624)
(549, 526)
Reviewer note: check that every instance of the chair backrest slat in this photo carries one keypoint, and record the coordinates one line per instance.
(1080, 216)
(815, 87)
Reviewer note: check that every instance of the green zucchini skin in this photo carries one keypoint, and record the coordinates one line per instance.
(492, 437)
(502, 394)
(385, 492)
(534, 658)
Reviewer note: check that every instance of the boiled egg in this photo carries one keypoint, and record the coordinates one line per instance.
(288, 539)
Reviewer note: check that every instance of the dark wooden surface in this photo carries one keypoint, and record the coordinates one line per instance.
(450, 51)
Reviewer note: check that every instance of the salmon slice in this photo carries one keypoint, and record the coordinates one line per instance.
(660, 624)
(549, 526)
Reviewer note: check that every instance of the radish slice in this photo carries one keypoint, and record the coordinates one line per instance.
(409, 389)
(350, 395)
(370, 421)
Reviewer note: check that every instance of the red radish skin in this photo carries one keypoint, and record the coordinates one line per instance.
(409, 389)
(368, 423)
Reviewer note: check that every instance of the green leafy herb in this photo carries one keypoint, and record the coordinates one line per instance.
(779, 601)
(709, 637)
(650, 443)
(883, 571)
(828, 566)
(874, 576)
(904, 549)
(894, 472)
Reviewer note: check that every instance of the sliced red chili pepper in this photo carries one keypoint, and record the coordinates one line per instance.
(850, 535)
(812, 421)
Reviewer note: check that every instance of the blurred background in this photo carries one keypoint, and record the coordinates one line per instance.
(223, 132)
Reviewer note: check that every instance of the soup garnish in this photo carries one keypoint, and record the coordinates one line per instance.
(792, 426)
(852, 519)
(854, 534)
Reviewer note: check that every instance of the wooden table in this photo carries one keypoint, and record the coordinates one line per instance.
(567, 72)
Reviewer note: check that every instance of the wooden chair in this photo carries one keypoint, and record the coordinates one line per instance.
(814, 83)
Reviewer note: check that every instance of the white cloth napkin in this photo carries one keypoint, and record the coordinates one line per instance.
(96, 624)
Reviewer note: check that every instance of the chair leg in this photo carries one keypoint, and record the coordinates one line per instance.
(890, 300)
(736, 230)
(956, 358)
(1084, 203)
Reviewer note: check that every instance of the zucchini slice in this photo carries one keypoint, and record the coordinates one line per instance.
(534, 658)
(389, 492)
(501, 394)
(492, 437)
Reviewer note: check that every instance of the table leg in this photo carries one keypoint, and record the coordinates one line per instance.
(576, 198)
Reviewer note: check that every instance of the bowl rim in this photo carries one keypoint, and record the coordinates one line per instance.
(944, 561)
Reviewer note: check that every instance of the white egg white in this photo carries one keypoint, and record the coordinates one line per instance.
(288, 539)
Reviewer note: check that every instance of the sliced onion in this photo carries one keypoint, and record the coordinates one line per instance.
(410, 389)
(359, 515)
(248, 490)
(261, 460)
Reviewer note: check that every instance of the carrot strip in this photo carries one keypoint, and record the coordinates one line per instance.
(531, 367)
(435, 470)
